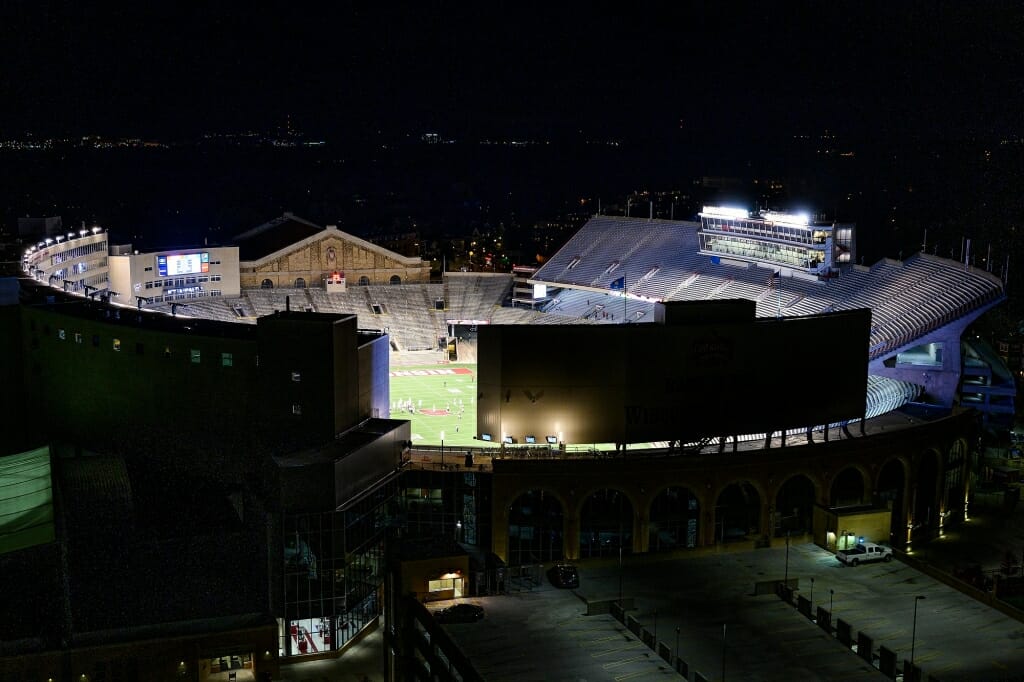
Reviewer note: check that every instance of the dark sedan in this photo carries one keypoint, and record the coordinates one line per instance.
(460, 613)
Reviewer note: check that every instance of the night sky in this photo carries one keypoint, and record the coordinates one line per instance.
(177, 69)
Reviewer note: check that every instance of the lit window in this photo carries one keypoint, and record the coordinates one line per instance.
(296, 376)
(167, 351)
(117, 344)
(227, 360)
(195, 355)
(78, 337)
(296, 408)
(61, 335)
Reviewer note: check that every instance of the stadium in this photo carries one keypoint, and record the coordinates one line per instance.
(783, 406)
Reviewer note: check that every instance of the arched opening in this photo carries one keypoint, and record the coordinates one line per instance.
(926, 507)
(674, 520)
(534, 529)
(606, 524)
(847, 489)
(395, 279)
(889, 491)
(300, 283)
(737, 513)
(266, 284)
(794, 507)
(364, 281)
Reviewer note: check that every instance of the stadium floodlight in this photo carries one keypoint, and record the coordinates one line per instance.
(725, 212)
(48, 241)
(82, 233)
(790, 219)
(96, 229)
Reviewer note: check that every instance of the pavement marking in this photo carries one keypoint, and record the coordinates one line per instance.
(634, 645)
(624, 661)
(629, 676)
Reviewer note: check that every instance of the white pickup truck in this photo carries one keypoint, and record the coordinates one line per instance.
(863, 552)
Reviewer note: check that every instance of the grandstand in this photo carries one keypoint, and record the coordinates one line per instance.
(615, 269)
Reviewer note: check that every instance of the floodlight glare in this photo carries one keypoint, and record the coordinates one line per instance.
(725, 212)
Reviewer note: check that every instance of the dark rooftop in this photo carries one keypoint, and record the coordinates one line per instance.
(273, 236)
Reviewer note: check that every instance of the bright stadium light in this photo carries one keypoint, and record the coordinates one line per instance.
(725, 212)
(96, 229)
(793, 219)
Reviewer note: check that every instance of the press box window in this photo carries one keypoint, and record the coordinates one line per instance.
(226, 360)
(195, 355)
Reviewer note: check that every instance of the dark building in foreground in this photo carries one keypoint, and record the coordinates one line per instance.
(187, 497)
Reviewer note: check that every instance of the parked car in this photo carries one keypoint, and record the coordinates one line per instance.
(863, 552)
(564, 575)
(460, 613)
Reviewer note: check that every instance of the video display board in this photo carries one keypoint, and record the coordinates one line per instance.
(651, 382)
(169, 265)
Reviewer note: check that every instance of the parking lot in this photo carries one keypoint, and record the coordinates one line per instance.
(543, 634)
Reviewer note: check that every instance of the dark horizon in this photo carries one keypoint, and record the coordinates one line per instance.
(732, 72)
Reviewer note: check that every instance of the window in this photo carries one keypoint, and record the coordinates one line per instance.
(296, 408)
(214, 278)
(266, 284)
(364, 281)
(78, 337)
(227, 360)
(300, 283)
(117, 344)
(167, 351)
(395, 279)
(148, 269)
(61, 335)
(195, 355)
(296, 377)
(149, 285)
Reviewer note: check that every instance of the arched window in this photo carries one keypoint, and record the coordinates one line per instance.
(300, 283)
(364, 281)
(266, 284)
(395, 279)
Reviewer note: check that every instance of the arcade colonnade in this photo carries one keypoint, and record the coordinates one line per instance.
(919, 472)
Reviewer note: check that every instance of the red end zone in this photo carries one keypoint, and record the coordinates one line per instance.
(429, 372)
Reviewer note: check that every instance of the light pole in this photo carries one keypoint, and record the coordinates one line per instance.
(913, 631)
(831, 594)
(723, 651)
(786, 580)
(677, 641)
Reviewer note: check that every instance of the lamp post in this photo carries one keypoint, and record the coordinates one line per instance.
(786, 580)
(677, 641)
(723, 650)
(913, 631)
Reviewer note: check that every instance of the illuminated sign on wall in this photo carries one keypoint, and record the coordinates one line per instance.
(182, 264)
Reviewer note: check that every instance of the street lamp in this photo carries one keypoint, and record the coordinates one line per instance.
(786, 580)
(913, 631)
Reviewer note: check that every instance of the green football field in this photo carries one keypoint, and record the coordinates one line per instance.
(438, 395)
